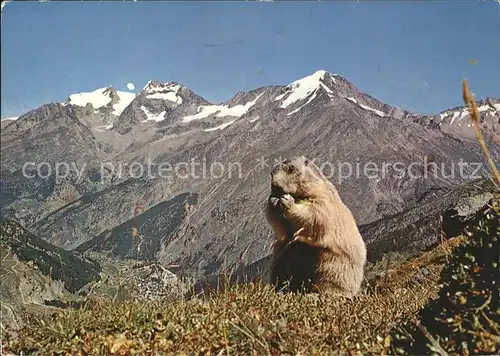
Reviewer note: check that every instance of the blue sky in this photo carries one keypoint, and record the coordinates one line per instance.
(413, 55)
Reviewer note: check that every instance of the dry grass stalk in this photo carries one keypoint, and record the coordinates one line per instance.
(474, 112)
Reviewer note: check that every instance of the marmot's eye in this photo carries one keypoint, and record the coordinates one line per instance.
(291, 169)
(306, 161)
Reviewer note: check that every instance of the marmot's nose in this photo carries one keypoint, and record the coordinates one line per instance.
(276, 190)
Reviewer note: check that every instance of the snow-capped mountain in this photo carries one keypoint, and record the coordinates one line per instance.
(158, 103)
(10, 118)
(171, 105)
(101, 98)
(164, 91)
(460, 116)
(304, 88)
(457, 121)
(322, 115)
(7, 120)
(107, 102)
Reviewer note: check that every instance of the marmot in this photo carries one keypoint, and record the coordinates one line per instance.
(318, 247)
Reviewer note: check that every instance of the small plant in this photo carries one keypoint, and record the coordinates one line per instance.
(465, 319)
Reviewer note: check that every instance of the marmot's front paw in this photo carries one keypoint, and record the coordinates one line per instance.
(286, 201)
(274, 201)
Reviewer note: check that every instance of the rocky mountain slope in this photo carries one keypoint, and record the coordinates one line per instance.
(169, 143)
(443, 301)
(35, 272)
(69, 267)
(394, 239)
(37, 277)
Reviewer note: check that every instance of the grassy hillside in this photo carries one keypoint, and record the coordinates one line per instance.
(397, 314)
(69, 267)
(465, 318)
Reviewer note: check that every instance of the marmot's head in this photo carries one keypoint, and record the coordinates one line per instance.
(297, 176)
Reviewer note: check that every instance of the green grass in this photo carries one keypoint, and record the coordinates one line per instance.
(72, 269)
(444, 301)
(245, 319)
(430, 304)
(465, 318)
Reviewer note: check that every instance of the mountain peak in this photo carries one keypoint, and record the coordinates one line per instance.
(304, 87)
(319, 73)
(103, 97)
(98, 98)
(163, 91)
(109, 91)
(311, 80)
(157, 84)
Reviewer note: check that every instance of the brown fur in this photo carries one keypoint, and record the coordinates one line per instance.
(318, 247)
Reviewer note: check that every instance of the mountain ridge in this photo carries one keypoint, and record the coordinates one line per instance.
(323, 116)
(319, 74)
